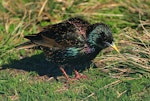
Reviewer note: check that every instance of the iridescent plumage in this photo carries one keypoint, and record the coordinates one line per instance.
(74, 41)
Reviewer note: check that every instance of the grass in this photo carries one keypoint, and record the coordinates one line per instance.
(26, 76)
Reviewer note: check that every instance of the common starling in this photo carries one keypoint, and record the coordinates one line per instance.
(74, 41)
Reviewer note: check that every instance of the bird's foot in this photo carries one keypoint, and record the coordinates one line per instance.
(79, 76)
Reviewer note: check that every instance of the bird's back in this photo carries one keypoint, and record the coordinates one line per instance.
(71, 32)
(62, 42)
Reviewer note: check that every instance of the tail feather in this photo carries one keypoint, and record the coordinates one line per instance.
(26, 45)
(33, 37)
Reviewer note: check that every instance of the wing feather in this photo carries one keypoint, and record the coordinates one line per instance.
(71, 32)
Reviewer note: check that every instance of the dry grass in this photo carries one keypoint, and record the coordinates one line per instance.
(133, 43)
(134, 58)
(131, 25)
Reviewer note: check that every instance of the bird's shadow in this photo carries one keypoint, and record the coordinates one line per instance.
(38, 64)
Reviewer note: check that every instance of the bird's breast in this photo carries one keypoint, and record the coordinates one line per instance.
(72, 55)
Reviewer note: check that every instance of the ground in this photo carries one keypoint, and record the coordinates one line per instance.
(26, 75)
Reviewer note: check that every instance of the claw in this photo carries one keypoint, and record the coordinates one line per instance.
(77, 75)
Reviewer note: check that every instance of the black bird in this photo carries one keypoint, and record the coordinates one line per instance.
(74, 41)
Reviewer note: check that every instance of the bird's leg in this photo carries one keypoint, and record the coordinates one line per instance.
(78, 75)
(65, 74)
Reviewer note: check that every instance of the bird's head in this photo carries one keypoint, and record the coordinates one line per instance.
(100, 35)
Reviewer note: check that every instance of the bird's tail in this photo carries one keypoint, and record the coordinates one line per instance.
(26, 45)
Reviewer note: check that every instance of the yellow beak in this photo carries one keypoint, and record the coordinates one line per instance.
(114, 46)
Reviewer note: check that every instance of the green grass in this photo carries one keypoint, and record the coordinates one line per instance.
(26, 76)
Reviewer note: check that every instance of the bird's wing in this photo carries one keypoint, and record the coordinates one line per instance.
(71, 32)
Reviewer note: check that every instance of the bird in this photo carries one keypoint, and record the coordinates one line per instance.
(70, 42)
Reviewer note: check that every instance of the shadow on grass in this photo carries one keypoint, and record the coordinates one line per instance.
(38, 64)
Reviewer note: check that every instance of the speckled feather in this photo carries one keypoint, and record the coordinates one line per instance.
(74, 41)
(62, 35)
